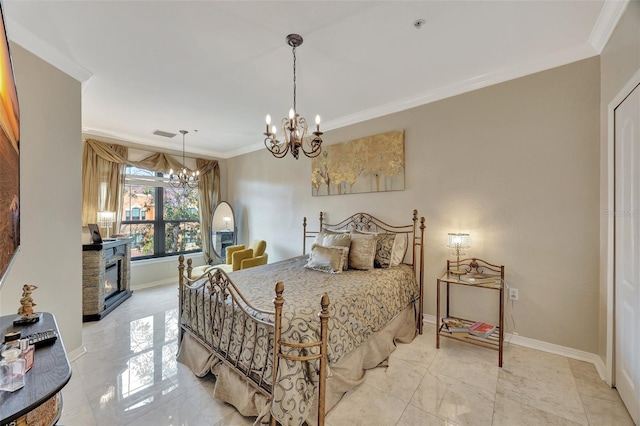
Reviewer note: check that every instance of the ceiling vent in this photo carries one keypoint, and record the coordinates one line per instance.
(164, 134)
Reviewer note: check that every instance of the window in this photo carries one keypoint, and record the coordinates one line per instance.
(162, 220)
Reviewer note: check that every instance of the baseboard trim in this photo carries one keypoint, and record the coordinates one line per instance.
(158, 283)
(547, 347)
(77, 353)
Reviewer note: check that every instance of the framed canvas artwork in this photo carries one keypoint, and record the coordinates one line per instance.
(9, 158)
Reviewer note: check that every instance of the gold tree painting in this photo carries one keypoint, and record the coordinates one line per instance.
(370, 164)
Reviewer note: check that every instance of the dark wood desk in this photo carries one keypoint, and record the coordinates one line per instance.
(51, 371)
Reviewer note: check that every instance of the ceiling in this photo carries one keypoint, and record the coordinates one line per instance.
(216, 68)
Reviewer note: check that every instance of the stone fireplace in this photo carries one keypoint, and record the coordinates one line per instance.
(106, 272)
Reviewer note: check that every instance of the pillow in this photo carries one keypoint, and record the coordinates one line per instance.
(384, 248)
(390, 248)
(399, 249)
(326, 259)
(362, 251)
(324, 232)
(339, 240)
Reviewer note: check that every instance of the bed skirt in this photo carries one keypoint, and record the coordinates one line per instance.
(345, 375)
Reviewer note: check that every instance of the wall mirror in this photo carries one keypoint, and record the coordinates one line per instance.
(223, 229)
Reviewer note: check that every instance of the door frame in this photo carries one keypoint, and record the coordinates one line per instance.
(610, 215)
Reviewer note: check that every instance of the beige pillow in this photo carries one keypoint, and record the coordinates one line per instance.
(326, 259)
(362, 251)
(339, 240)
(323, 233)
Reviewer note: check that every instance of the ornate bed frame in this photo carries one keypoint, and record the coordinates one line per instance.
(237, 307)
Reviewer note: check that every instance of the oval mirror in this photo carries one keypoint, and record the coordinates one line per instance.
(223, 229)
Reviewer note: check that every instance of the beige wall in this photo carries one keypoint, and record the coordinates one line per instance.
(516, 165)
(50, 191)
(620, 60)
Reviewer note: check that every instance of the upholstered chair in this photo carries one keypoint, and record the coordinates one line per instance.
(241, 257)
(238, 257)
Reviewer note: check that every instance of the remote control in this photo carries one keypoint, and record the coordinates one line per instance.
(42, 338)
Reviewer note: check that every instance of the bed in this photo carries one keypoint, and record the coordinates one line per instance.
(284, 341)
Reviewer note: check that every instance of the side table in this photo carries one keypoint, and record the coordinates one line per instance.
(39, 401)
(475, 273)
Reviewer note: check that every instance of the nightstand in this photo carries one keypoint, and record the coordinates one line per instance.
(479, 274)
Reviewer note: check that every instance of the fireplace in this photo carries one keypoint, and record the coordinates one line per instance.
(105, 277)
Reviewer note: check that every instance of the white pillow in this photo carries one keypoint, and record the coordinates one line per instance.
(399, 249)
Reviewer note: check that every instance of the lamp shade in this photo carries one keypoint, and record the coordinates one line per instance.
(458, 242)
(106, 219)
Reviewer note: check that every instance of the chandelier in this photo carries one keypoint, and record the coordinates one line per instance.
(183, 178)
(294, 127)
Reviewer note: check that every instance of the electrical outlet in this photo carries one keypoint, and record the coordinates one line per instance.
(513, 293)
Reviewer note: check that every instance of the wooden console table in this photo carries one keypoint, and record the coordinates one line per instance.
(40, 398)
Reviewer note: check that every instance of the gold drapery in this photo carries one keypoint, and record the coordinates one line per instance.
(209, 197)
(103, 183)
(102, 180)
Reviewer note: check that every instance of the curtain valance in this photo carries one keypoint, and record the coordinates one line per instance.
(103, 182)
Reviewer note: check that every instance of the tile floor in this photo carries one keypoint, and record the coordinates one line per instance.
(129, 376)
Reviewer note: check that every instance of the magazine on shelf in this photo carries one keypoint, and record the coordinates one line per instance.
(455, 325)
(482, 329)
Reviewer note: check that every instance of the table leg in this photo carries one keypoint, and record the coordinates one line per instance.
(437, 314)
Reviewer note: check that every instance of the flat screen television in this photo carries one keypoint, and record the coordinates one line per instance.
(9, 157)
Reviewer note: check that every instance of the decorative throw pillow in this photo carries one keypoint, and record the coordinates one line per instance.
(339, 240)
(399, 249)
(390, 248)
(362, 251)
(384, 248)
(326, 259)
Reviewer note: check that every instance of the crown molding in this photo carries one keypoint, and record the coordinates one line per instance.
(610, 14)
(151, 144)
(531, 66)
(25, 38)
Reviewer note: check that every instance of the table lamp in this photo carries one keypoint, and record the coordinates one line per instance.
(458, 243)
(105, 220)
(227, 220)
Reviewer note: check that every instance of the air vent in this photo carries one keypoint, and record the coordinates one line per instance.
(164, 134)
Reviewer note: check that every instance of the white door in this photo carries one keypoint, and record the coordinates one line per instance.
(627, 252)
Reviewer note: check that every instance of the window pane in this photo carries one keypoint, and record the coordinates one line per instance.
(137, 199)
(133, 170)
(182, 236)
(181, 204)
(142, 234)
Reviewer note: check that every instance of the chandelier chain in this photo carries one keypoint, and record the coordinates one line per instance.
(182, 178)
(295, 110)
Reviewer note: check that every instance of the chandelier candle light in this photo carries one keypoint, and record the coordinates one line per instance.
(458, 243)
(183, 178)
(294, 127)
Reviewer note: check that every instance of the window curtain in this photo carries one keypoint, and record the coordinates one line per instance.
(102, 181)
(209, 197)
(104, 162)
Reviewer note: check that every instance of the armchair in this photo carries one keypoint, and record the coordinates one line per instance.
(240, 257)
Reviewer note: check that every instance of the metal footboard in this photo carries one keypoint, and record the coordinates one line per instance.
(245, 338)
(221, 319)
